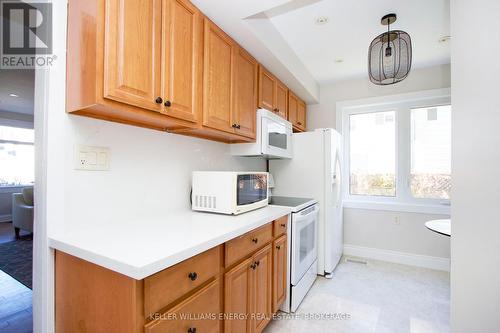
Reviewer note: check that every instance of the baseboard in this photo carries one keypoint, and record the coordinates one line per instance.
(418, 260)
(5, 218)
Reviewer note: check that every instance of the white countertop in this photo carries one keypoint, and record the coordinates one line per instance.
(141, 247)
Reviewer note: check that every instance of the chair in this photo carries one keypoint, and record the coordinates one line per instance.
(22, 210)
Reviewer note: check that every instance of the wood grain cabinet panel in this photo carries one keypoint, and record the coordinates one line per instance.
(279, 271)
(293, 104)
(166, 286)
(267, 89)
(244, 245)
(245, 93)
(193, 314)
(132, 50)
(182, 60)
(280, 226)
(301, 116)
(218, 79)
(262, 289)
(281, 100)
(238, 297)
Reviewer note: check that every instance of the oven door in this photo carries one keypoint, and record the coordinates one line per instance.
(304, 252)
(276, 137)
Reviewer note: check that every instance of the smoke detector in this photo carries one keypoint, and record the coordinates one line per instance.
(322, 20)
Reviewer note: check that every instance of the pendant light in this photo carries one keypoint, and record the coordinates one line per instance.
(389, 55)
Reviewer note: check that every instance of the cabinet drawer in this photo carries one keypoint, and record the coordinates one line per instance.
(280, 225)
(251, 241)
(168, 285)
(198, 313)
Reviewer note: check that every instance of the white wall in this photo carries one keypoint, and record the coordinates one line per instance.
(322, 115)
(375, 229)
(475, 243)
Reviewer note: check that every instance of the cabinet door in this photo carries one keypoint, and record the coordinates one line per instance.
(182, 56)
(237, 297)
(267, 90)
(217, 80)
(279, 272)
(282, 100)
(293, 104)
(301, 115)
(262, 289)
(245, 93)
(132, 52)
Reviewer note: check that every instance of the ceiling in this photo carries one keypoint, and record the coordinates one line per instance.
(351, 27)
(283, 36)
(20, 82)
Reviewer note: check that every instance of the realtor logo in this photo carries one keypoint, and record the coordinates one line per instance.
(26, 34)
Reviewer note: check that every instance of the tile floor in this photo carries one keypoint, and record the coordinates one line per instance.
(378, 297)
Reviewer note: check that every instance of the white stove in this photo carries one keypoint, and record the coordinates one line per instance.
(302, 249)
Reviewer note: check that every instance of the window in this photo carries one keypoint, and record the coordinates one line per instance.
(373, 154)
(430, 175)
(397, 152)
(17, 156)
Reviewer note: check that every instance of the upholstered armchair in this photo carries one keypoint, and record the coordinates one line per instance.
(22, 210)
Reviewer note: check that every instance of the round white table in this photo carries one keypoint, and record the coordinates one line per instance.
(442, 227)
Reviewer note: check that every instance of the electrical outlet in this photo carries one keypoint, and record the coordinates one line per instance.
(396, 220)
(91, 158)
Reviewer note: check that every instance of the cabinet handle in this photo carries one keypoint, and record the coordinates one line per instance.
(255, 240)
(192, 330)
(236, 126)
(283, 225)
(275, 110)
(158, 100)
(253, 266)
(278, 247)
(257, 263)
(299, 123)
(167, 103)
(193, 276)
(239, 126)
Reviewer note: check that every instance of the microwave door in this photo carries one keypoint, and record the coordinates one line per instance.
(276, 138)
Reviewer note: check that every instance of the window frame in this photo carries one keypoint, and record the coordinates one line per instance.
(6, 188)
(402, 105)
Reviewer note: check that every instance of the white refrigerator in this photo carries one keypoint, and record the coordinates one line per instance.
(315, 171)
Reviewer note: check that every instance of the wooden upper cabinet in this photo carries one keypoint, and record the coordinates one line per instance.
(182, 60)
(281, 100)
(245, 92)
(132, 52)
(267, 89)
(293, 104)
(218, 79)
(262, 289)
(301, 115)
(279, 271)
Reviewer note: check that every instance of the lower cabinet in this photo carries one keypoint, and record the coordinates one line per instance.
(279, 272)
(234, 287)
(248, 293)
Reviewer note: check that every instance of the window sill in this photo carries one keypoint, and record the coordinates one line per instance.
(399, 207)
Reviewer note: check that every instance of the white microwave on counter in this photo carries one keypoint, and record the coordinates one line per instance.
(273, 138)
(228, 192)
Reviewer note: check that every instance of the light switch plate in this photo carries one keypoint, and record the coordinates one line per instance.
(91, 158)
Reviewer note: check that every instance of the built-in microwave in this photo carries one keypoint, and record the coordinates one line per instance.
(273, 138)
(228, 192)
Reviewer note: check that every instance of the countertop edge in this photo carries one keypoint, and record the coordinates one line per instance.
(57, 242)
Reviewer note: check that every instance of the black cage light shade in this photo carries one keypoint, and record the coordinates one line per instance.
(389, 55)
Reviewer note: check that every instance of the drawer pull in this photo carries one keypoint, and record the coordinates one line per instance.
(193, 276)
(283, 225)
(257, 263)
(158, 100)
(192, 330)
(255, 240)
(253, 266)
(278, 247)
